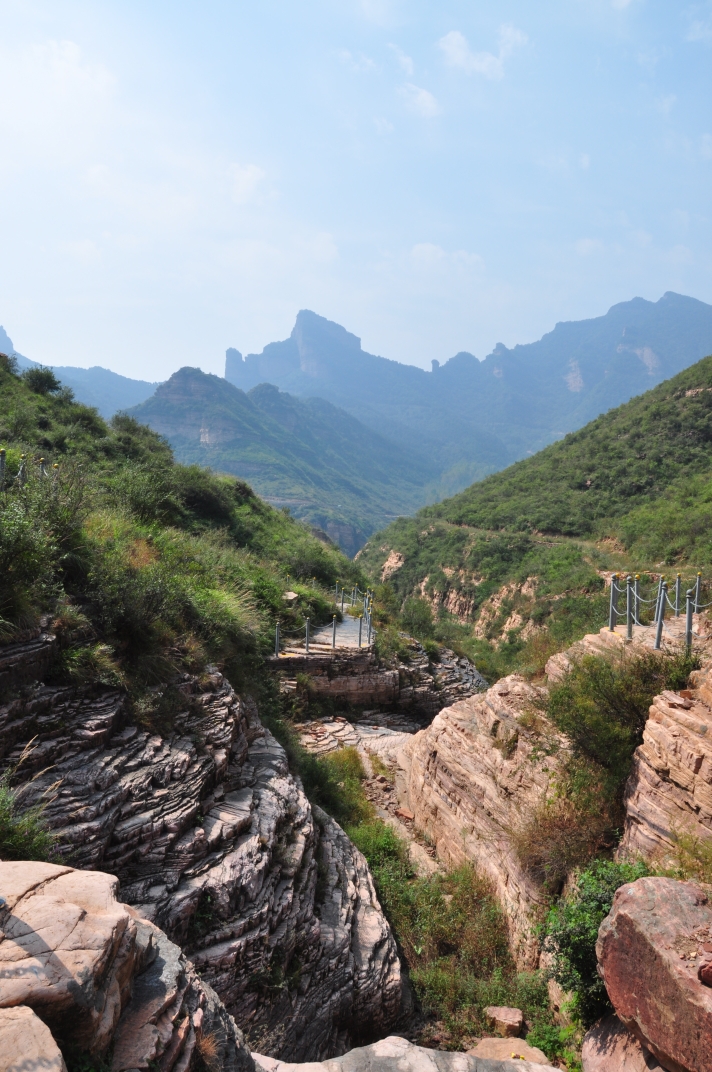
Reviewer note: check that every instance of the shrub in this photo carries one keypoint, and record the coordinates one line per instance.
(602, 706)
(41, 380)
(572, 929)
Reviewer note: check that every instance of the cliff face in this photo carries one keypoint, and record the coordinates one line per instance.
(469, 779)
(214, 841)
(670, 789)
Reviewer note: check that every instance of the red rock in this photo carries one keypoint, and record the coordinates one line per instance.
(26, 1043)
(704, 973)
(504, 1020)
(610, 1047)
(656, 994)
(404, 813)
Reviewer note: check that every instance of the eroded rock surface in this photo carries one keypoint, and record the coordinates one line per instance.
(215, 842)
(649, 950)
(472, 777)
(670, 789)
(399, 1054)
(97, 975)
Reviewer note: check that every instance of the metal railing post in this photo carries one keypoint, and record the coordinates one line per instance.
(688, 620)
(276, 640)
(306, 642)
(629, 606)
(678, 584)
(698, 592)
(661, 616)
(636, 600)
(333, 632)
(22, 471)
(2, 469)
(657, 601)
(369, 630)
(360, 628)
(342, 601)
(614, 601)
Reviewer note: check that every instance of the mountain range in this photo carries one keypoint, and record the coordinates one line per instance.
(304, 454)
(475, 417)
(348, 440)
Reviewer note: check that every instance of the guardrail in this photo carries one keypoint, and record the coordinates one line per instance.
(634, 604)
(354, 597)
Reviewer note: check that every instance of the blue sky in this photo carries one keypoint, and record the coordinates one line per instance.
(176, 178)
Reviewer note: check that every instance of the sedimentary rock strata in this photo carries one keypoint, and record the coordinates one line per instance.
(650, 949)
(215, 842)
(470, 779)
(80, 971)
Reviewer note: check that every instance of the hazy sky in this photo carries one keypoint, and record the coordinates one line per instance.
(176, 178)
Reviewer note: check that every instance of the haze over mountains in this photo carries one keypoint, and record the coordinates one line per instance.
(474, 417)
(348, 440)
(305, 454)
(108, 391)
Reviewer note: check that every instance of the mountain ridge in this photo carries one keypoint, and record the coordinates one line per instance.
(304, 454)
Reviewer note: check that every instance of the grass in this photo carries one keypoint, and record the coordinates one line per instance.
(23, 833)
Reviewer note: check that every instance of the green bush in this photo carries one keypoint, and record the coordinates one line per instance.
(572, 929)
(602, 706)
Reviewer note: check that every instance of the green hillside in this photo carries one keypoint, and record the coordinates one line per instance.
(522, 553)
(146, 566)
(305, 454)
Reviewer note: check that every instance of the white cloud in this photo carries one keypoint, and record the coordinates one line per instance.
(584, 161)
(419, 100)
(706, 146)
(700, 30)
(666, 104)
(404, 62)
(245, 180)
(383, 126)
(458, 53)
(356, 63)
(620, 5)
(585, 247)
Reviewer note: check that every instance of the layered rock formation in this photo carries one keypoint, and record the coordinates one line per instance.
(81, 971)
(470, 779)
(418, 687)
(215, 842)
(670, 789)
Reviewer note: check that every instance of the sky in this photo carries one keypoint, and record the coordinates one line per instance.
(177, 178)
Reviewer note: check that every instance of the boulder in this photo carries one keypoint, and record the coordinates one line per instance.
(610, 1047)
(399, 1054)
(26, 1043)
(79, 968)
(504, 1020)
(650, 948)
(500, 1049)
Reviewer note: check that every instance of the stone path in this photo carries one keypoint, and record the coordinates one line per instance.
(320, 639)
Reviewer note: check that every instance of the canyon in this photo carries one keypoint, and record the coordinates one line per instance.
(244, 904)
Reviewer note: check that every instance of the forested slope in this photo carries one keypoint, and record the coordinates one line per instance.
(523, 553)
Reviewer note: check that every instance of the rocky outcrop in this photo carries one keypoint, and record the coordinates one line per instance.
(214, 841)
(418, 687)
(650, 949)
(81, 972)
(669, 791)
(27, 660)
(470, 779)
(397, 1053)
